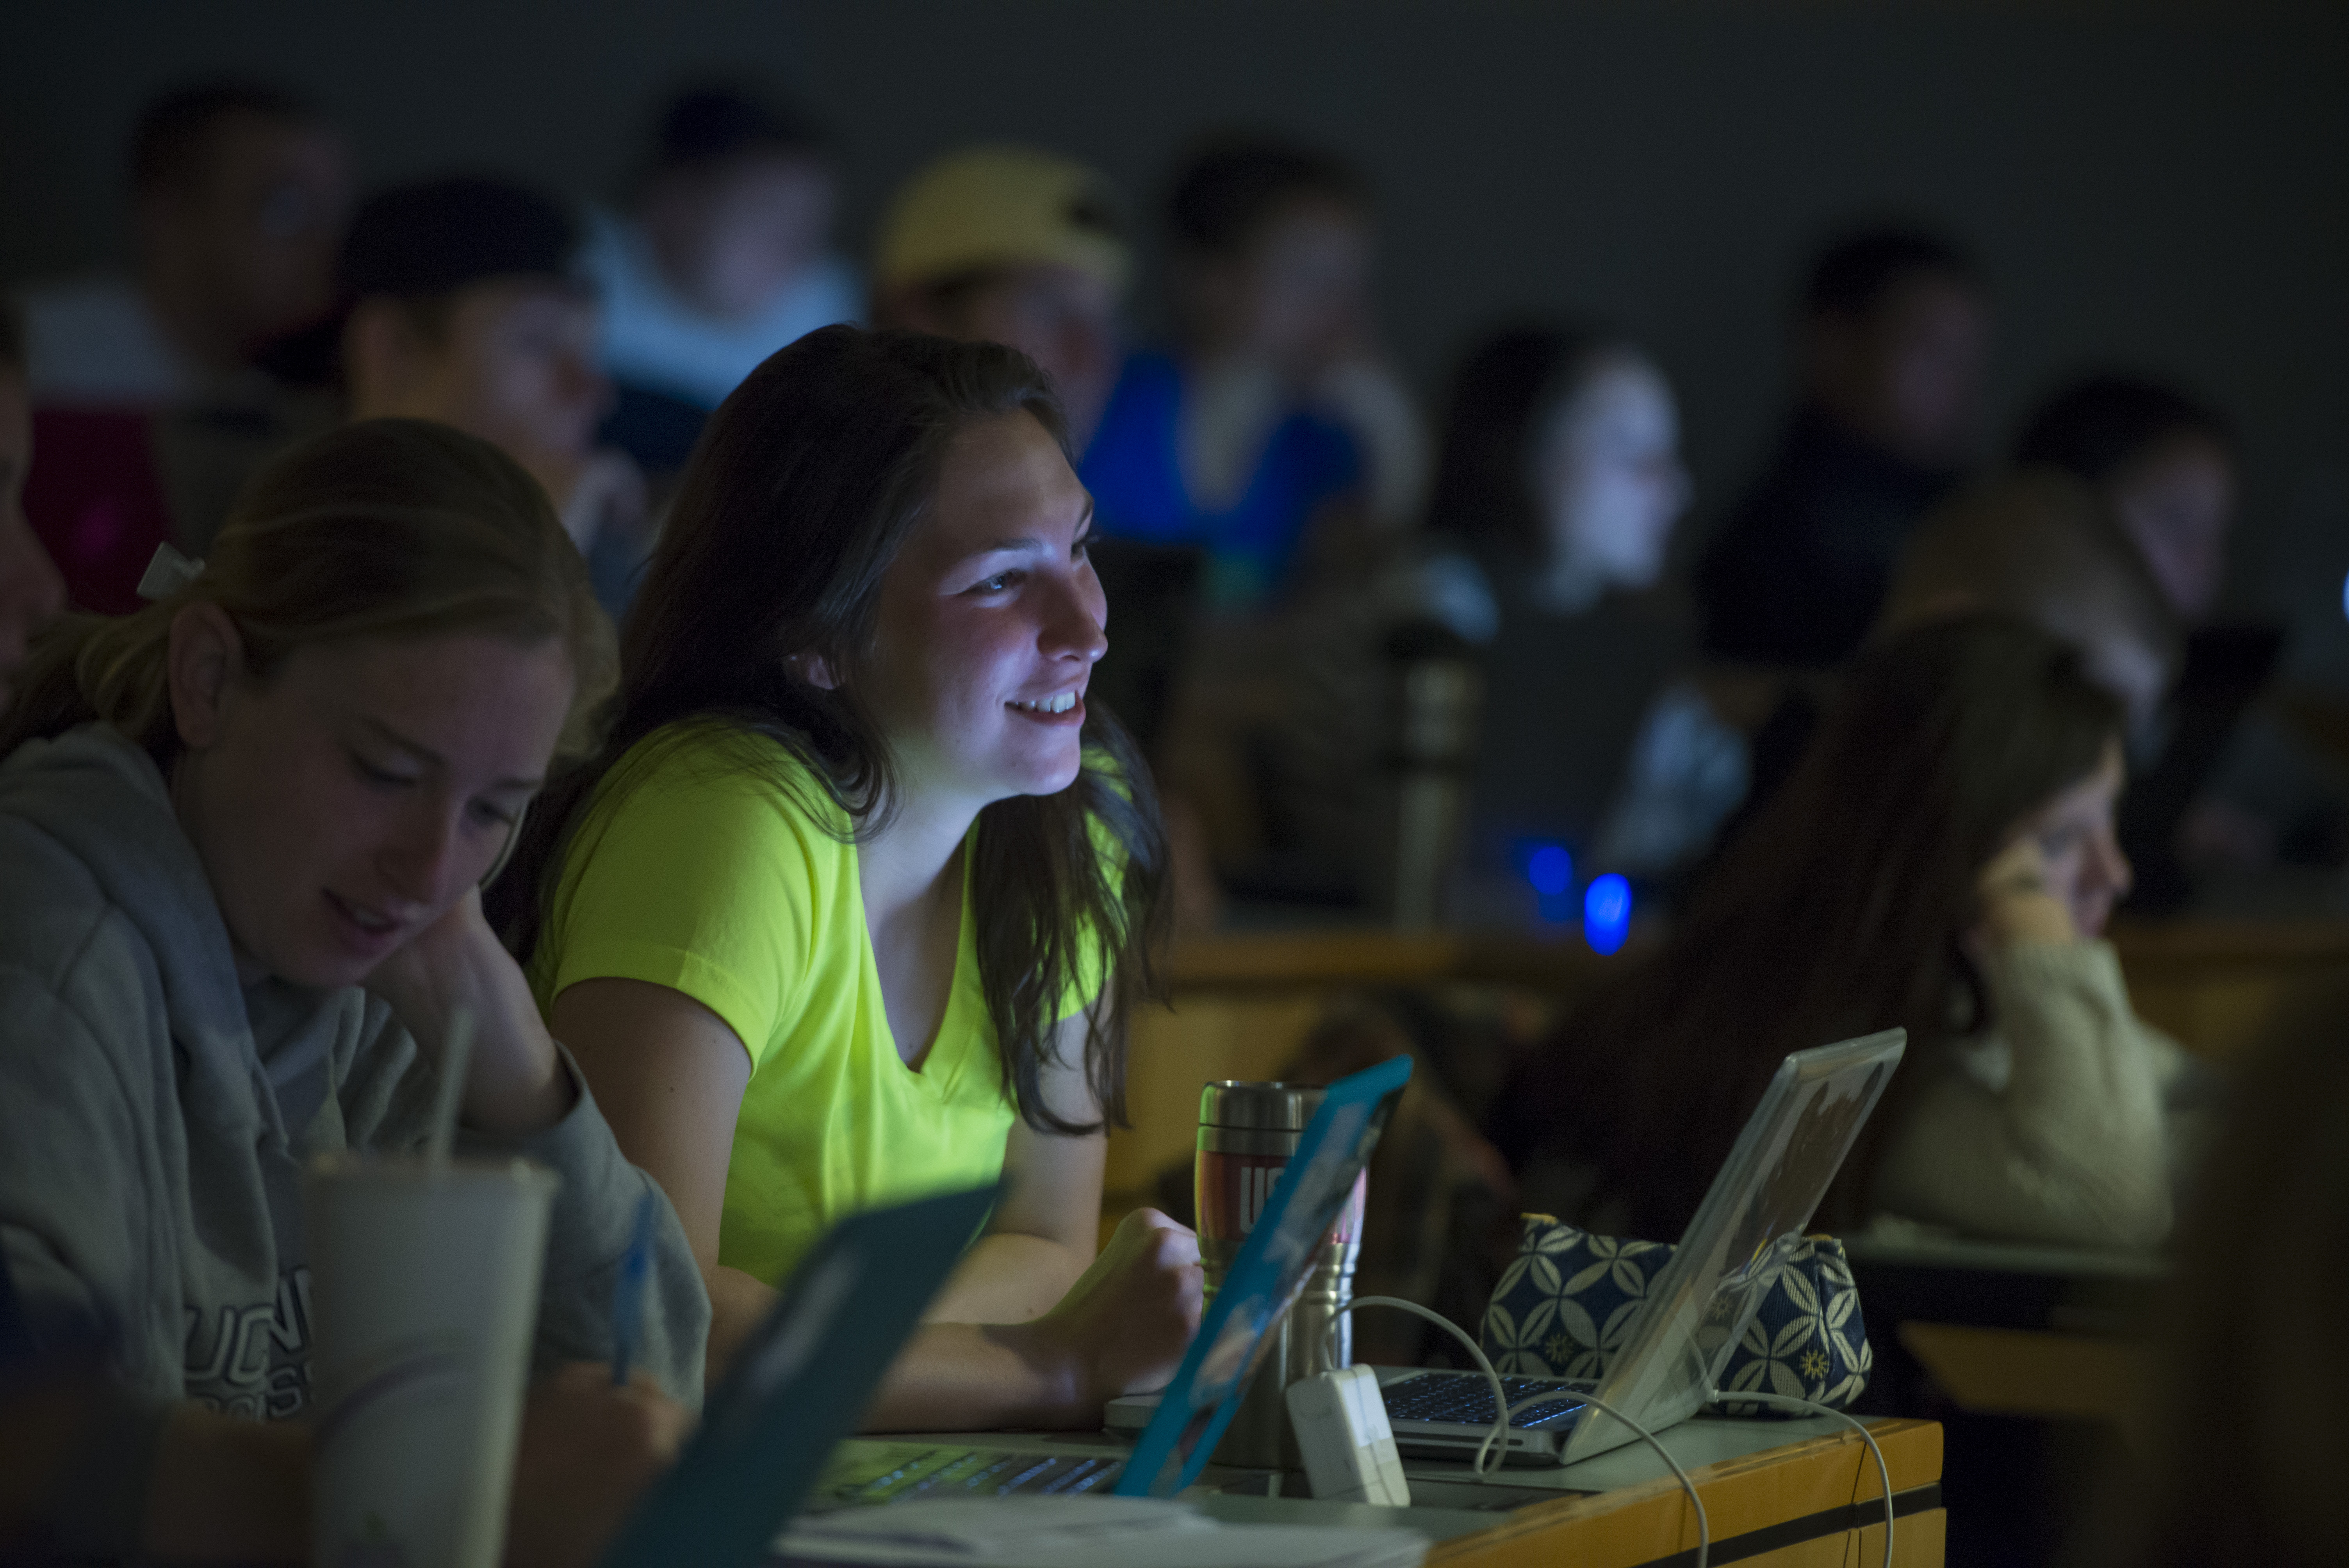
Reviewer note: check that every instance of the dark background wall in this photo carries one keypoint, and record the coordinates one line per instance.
(2163, 186)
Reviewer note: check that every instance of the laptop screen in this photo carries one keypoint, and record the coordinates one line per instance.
(1265, 1281)
(799, 1385)
(1752, 1217)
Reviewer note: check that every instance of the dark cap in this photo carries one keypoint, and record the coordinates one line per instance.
(1235, 182)
(420, 241)
(1857, 270)
(717, 123)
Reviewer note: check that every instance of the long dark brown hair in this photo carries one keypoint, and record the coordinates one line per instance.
(1841, 910)
(805, 486)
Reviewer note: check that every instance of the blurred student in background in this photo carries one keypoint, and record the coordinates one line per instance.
(241, 194)
(1016, 246)
(465, 309)
(1894, 325)
(31, 592)
(1556, 491)
(856, 903)
(2165, 465)
(2037, 543)
(1558, 486)
(2034, 543)
(723, 256)
(1942, 859)
(151, 408)
(1273, 431)
(241, 833)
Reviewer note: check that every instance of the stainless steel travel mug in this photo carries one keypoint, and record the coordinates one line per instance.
(1247, 1133)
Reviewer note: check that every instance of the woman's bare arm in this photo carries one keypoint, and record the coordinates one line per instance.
(669, 1074)
(1046, 1230)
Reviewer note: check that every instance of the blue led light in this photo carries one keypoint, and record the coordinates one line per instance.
(1606, 913)
(1550, 868)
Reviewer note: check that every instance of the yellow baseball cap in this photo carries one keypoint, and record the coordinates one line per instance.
(996, 206)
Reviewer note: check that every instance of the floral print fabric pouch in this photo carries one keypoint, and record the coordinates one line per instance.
(1566, 1305)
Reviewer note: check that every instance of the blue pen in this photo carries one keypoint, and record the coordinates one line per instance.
(628, 1295)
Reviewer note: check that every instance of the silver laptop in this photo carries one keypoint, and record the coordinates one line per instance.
(1700, 1304)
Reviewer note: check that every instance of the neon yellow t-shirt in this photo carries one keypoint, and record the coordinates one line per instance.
(710, 881)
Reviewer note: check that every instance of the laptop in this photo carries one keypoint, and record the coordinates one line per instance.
(1262, 1283)
(1699, 1304)
(800, 1384)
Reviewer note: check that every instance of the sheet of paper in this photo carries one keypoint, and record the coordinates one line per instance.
(1082, 1532)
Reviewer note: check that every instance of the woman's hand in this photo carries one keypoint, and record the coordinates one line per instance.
(587, 1452)
(2016, 905)
(514, 1083)
(1120, 1329)
(1125, 1325)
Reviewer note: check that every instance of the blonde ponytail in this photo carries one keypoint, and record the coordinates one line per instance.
(385, 528)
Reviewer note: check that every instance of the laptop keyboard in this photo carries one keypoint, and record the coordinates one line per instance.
(915, 1472)
(1467, 1398)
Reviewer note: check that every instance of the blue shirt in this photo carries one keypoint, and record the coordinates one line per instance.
(1135, 469)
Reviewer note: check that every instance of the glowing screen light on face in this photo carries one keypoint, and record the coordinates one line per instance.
(1606, 913)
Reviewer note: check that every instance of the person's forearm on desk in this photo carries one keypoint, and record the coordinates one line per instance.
(1008, 1278)
(1046, 1229)
(230, 1490)
(737, 1305)
(1121, 1328)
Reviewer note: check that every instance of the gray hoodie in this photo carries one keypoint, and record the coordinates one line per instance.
(155, 1117)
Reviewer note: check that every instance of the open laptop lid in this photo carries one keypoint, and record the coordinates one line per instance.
(1699, 1304)
(800, 1384)
(1264, 1281)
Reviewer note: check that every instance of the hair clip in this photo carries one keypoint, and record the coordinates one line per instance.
(167, 572)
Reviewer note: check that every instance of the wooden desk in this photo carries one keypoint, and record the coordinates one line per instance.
(2220, 987)
(2009, 1328)
(1782, 1495)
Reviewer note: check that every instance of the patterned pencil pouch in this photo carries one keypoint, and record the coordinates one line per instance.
(1565, 1305)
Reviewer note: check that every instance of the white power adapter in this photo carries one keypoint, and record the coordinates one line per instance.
(1340, 1420)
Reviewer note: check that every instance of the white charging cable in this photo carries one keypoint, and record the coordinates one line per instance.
(1883, 1470)
(1505, 1410)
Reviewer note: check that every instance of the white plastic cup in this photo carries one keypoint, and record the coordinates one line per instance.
(425, 1280)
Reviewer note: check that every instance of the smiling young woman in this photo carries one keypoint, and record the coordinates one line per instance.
(241, 833)
(854, 905)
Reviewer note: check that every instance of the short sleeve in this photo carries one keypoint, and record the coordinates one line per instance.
(701, 877)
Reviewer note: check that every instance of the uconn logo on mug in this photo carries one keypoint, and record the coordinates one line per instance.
(1233, 1190)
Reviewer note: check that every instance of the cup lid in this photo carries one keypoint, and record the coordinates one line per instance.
(1277, 1106)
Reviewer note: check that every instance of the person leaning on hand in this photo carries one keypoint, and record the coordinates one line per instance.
(243, 832)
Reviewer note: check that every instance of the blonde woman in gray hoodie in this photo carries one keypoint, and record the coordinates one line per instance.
(242, 833)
